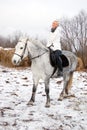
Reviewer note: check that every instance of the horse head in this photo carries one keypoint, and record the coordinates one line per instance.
(21, 51)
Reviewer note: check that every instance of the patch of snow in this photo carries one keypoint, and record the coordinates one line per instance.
(15, 92)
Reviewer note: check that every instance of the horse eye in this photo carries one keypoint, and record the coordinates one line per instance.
(21, 47)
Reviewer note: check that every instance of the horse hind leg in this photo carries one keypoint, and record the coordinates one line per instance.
(67, 86)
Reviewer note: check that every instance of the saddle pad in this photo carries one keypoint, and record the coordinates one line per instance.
(65, 61)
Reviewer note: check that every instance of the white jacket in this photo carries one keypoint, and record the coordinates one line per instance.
(54, 40)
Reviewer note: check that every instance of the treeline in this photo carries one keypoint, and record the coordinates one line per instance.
(10, 41)
(73, 36)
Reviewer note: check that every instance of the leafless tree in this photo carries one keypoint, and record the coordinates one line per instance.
(74, 35)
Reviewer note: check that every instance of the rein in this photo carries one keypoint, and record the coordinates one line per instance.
(37, 56)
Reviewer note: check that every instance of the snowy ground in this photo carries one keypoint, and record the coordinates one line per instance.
(15, 92)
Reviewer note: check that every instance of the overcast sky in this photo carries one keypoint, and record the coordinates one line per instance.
(34, 17)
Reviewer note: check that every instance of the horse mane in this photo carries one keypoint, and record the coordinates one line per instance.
(35, 42)
(38, 44)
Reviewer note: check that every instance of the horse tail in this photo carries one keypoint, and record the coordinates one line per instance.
(80, 65)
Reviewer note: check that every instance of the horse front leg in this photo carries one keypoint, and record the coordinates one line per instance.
(47, 93)
(32, 99)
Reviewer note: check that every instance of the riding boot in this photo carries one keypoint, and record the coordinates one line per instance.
(60, 68)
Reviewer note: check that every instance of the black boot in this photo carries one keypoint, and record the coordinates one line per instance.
(58, 63)
(60, 68)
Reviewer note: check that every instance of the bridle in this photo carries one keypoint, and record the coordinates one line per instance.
(21, 56)
(29, 55)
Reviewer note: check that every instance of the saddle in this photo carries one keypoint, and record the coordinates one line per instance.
(64, 59)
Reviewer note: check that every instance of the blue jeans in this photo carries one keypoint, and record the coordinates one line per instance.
(57, 54)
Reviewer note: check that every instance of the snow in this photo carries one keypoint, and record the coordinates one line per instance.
(15, 92)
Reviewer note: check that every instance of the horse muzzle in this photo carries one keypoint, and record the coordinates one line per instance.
(16, 61)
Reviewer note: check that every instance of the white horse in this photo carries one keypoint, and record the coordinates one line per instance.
(41, 67)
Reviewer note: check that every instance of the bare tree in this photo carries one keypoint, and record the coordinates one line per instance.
(74, 35)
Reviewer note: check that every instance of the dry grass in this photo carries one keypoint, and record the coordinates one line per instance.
(6, 56)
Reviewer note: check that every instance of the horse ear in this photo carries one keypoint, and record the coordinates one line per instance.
(27, 39)
(20, 38)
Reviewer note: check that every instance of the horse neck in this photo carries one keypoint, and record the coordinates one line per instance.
(35, 50)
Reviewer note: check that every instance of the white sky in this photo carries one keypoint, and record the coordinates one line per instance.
(34, 17)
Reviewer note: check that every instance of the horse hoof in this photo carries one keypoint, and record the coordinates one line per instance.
(47, 105)
(69, 96)
(30, 103)
(60, 98)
